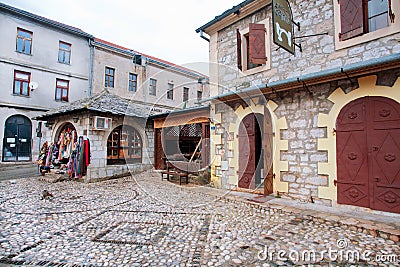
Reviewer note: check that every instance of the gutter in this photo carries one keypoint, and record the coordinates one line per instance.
(44, 20)
(307, 77)
(233, 10)
(151, 60)
(179, 111)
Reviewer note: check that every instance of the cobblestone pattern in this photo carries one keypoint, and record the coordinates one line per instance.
(146, 222)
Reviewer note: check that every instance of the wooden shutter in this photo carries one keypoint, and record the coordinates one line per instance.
(257, 43)
(239, 49)
(351, 18)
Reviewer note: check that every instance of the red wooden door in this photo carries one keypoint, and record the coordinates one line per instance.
(247, 159)
(384, 153)
(267, 139)
(368, 153)
(158, 150)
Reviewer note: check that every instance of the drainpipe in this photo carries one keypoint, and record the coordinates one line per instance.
(91, 58)
(145, 92)
(202, 36)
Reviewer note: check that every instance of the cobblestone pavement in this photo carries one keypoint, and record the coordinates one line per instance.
(143, 221)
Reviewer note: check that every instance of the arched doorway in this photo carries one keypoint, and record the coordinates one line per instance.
(368, 154)
(17, 142)
(66, 137)
(124, 145)
(255, 153)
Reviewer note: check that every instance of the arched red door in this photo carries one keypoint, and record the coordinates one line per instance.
(247, 160)
(368, 154)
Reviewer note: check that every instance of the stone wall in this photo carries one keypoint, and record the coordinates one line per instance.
(319, 52)
(301, 111)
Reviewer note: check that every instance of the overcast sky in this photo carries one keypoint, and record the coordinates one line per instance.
(161, 28)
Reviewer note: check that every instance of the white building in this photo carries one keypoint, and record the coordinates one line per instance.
(134, 75)
(43, 64)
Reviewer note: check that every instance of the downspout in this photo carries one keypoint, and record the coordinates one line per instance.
(145, 90)
(202, 36)
(91, 58)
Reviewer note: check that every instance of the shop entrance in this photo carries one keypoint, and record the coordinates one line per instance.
(17, 142)
(255, 153)
(368, 153)
(182, 136)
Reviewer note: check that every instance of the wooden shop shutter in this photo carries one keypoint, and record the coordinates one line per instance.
(351, 18)
(257, 43)
(239, 49)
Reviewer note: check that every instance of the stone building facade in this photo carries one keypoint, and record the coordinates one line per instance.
(299, 102)
(120, 113)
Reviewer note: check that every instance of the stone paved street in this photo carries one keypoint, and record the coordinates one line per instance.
(143, 221)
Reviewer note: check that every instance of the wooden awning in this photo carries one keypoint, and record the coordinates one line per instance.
(183, 118)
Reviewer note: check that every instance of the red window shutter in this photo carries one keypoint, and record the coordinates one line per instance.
(257, 43)
(351, 19)
(239, 49)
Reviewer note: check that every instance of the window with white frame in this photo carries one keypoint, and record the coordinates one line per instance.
(199, 95)
(109, 77)
(152, 87)
(132, 82)
(253, 47)
(360, 21)
(64, 52)
(170, 91)
(185, 94)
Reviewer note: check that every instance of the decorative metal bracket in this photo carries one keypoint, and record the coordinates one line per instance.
(305, 36)
(305, 86)
(347, 75)
(275, 92)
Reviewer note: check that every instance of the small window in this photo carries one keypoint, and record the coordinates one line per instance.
(185, 94)
(249, 63)
(124, 145)
(109, 77)
(24, 41)
(170, 92)
(358, 17)
(64, 52)
(21, 83)
(152, 87)
(252, 47)
(132, 82)
(199, 95)
(62, 90)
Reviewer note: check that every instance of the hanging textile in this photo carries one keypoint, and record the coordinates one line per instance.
(80, 158)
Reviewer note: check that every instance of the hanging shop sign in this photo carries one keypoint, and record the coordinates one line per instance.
(282, 20)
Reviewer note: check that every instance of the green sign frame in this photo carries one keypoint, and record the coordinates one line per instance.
(282, 21)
